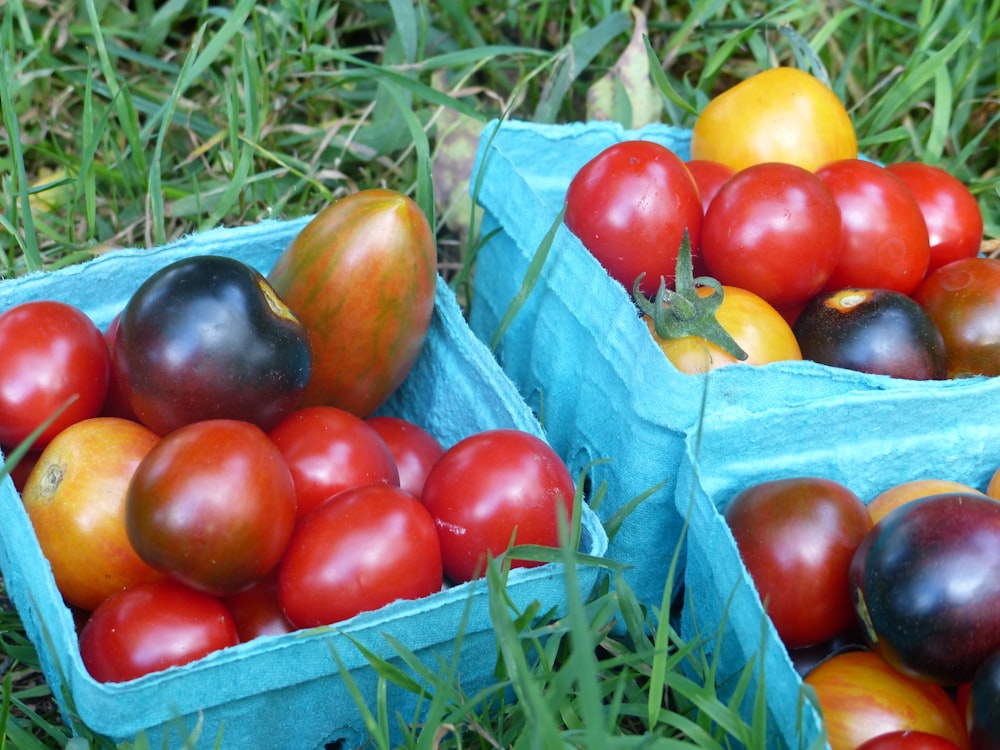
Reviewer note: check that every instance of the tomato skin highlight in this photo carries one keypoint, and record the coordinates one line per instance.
(362, 276)
(908, 739)
(413, 448)
(361, 549)
(152, 626)
(51, 352)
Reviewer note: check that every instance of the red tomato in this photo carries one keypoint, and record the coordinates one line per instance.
(884, 237)
(773, 229)
(329, 450)
(492, 487)
(797, 537)
(962, 299)
(51, 352)
(75, 498)
(906, 739)
(708, 176)
(256, 611)
(952, 214)
(862, 697)
(360, 550)
(629, 206)
(413, 447)
(152, 626)
(213, 505)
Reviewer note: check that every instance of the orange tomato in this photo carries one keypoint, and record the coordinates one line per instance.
(757, 327)
(902, 493)
(861, 697)
(782, 114)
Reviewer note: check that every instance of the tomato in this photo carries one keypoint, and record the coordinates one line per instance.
(899, 494)
(206, 338)
(414, 449)
(983, 708)
(257, 611)
(797, 537)
(75, 498)
(884, 237)
(51, 352)
(924, 586)
(773, 229)
(362, 276)
(756, 326)
(862, 697)
(116, 404)
(212, 505)
(630, 206)
(20, 472)
(708, 176)
(492, 487)
(878, 331)
(360, 550)
(778, 115)
(952, 214)
(962, 298)
(328, 450)
(908, 739)
(152, 626)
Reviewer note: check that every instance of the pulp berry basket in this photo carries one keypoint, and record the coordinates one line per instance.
(282, 691)
(868, 445)
(585, 362)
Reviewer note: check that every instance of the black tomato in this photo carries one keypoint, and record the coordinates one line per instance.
(206, 337)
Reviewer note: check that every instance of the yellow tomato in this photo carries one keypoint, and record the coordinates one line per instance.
(915, 489)
(756, 326)
(782, 114)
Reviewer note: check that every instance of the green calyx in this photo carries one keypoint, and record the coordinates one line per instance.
(682, 311)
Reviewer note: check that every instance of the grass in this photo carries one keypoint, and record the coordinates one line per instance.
(130, 124)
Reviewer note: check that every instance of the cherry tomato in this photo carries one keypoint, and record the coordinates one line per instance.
(952, 214)
(490, 488)
(782, 114)
(884, 237)
(75, 498)
(630, 206)
(116, 404)
(358, 551)
(773, 229)
(257, 611)
(862, 697)
(900, 494)
(51, 352)
(708, 176)
(328, 449)
(756, 326)
(212, 505)
(414, 448)
(797, 537)
(962, 298)
(908, 739)
(152, 626)
(983, 704)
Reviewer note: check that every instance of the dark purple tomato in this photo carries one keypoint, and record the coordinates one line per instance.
(206, 337)
(925, 586)
(877, 331)
(983, 708)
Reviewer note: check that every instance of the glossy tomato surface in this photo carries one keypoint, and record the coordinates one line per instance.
(782, 114)
(862, 697)
(414, 449)
(708, 176)
(630, 206)
(962, 299)
(52, 352)
(914, 489)
(924, 585)
(328, 450)
(212, 505)
(755, 325)
(257, 611)
(360, 550)
(206, 337)
(116, 404)
(877, 331)
(906, 739)
(362, 276)
(152, 626)
(797, 537)
(494, 487)
(773, 229)
(884, 239)
(75, 498)
(952, 215)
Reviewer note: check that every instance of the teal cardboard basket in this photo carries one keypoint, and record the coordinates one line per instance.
(588, 366)
(865, 444)
(282, 691)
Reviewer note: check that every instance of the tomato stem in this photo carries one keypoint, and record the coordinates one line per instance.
(683, 311)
